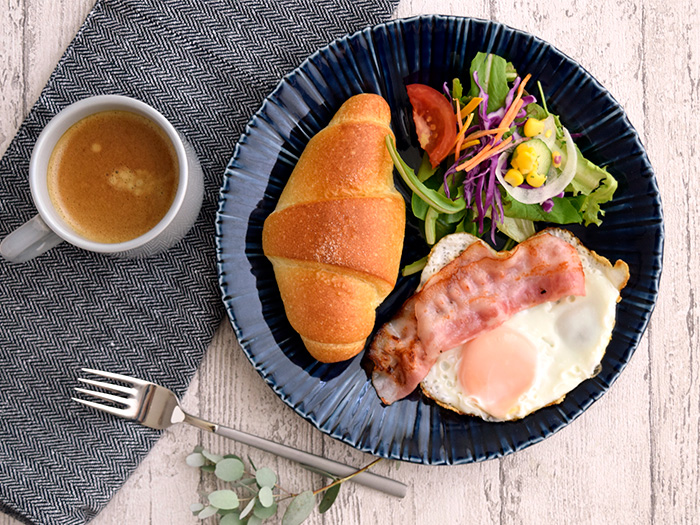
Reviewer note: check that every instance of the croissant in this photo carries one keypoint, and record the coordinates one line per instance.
(336, 235)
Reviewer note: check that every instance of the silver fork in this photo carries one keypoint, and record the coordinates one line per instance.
(157, 407)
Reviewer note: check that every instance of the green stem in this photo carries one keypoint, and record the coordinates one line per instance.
(430, 224)
(341, 480)
(414, 267)
(544, 102)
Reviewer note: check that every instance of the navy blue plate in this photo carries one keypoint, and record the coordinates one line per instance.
(339, 398)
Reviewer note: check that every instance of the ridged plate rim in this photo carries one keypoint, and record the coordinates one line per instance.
(259, 136)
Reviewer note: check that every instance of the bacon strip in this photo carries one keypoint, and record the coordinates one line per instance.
(476, 292)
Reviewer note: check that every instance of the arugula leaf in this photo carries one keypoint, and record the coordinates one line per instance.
(426, 170)
(566, 210)
(419, 207)
(436, 200)
(468, 225)
(457, 89)
(491, 72)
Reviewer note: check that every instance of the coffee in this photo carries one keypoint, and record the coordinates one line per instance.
(113, 176)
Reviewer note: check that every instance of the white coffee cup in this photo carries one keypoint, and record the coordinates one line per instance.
(48, 228)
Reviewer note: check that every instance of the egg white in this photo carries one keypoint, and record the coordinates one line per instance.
(570, 336)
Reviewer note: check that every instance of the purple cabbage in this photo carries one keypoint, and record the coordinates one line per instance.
(481, 186)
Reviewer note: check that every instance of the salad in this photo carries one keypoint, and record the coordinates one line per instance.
(496, 159)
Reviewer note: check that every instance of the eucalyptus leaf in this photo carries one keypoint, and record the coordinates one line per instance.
(246, 481)
(265, 496)
(198, 448)
(196, 508)
(195, 460)
(224, 499)
(207, 512)
(231, 519)
(229, 469)
(248, 508)
(233, 456)
(299, 509)
(319, 471)
(251, 463)
(214, 458)
(265, 477)
(329, 498)
(265, 512)
(254, 520)
(208, 468)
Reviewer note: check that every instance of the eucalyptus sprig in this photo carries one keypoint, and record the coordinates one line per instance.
(255, 494)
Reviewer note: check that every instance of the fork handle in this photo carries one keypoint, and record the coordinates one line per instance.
(368, 479)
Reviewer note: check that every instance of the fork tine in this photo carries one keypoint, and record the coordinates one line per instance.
(108, 386)
(120, 412)
(105, 396)
(116, 377)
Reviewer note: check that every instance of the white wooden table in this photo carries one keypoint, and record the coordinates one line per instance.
(633, 457)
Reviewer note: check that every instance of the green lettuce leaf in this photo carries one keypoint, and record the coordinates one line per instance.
(491, 71)
(590, 207)
(566, 210)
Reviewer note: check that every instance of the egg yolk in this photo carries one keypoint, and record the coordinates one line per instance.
(498, 367)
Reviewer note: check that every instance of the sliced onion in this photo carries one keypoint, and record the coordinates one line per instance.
(556, 181)
(549, 125)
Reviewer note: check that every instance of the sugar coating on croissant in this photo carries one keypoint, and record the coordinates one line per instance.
(336, 235)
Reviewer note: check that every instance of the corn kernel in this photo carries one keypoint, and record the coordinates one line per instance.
(535, 179)
(533, 127)
(524, 159)
(514, 177)
(548, 133)
(556, 159)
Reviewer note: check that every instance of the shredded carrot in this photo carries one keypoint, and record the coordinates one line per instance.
(471, 106)
(486, 153)
(483, 133)
(470, 144)
(458, 115)
(476, 159)
(458, 144)
(514, 108)
(460, 134)
(500, 147)
(521, 87)
(508, 118)
(495, 147)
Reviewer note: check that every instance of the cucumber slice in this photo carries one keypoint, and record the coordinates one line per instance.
(543, 153)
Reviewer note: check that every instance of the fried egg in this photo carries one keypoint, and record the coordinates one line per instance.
(537, 356)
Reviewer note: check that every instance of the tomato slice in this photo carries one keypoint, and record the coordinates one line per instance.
(436, 123)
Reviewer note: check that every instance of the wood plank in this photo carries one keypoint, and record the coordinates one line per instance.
(671, 76)
(11, 70)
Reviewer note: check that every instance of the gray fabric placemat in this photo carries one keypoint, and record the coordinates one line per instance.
(207, 66)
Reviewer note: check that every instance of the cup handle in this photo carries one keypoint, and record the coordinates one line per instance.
(33, 238)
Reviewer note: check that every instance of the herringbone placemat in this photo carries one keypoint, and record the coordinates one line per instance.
(206, 65)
